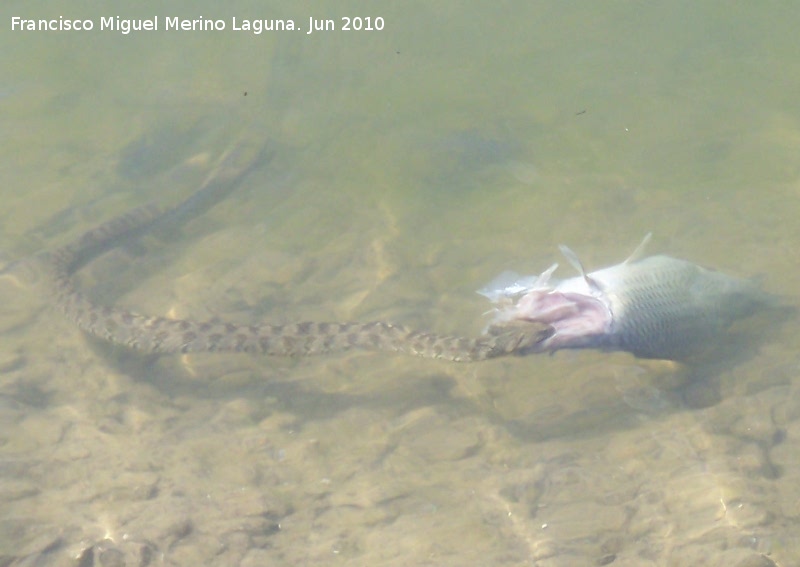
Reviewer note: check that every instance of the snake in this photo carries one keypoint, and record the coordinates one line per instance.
(165, 335)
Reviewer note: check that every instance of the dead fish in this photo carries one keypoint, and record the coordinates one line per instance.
(653, 307)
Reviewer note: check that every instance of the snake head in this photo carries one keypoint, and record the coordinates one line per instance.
(518, 337)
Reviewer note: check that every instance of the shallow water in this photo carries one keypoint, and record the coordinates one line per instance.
(407, 168)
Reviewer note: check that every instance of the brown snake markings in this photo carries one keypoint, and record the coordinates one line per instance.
(164, 335)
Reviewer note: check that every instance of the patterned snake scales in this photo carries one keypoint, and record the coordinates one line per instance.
(164, 335)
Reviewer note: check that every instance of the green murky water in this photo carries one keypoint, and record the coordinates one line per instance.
(407, 168)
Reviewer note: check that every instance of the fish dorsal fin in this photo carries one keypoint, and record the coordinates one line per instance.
(572, 258)
(637, 254)
(544, 278)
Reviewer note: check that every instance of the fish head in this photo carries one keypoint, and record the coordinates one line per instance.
(578, 319)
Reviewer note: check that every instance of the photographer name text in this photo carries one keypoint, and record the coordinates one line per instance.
(158, 23)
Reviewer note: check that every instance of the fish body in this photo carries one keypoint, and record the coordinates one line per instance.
(654, 307)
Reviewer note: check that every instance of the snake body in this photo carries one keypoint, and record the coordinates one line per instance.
(162, 335)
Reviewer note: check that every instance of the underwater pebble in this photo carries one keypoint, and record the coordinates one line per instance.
(755, 426)
(757, 561)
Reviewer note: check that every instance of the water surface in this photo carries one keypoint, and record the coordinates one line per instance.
(406, 169)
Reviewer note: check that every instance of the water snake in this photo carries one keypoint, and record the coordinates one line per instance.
(161, 335)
